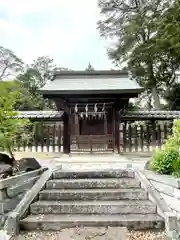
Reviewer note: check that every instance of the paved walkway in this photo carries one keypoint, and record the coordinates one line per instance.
(87, 161)
(81, 233)
(98, 162)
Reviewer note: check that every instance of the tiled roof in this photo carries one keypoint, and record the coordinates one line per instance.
(152, 115)
(136, 115)
(95, 82)
(39, 114)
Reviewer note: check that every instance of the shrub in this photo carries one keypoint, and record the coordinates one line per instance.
(163, 161)
(176, 168)
(167, 161)
(173, 141)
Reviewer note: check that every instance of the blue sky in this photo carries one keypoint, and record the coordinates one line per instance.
(63, 30)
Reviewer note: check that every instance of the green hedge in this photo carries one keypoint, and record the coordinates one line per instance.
(167, 161)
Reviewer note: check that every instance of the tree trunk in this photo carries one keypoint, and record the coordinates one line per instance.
(155, 96)
(152, 79)
(149, 101)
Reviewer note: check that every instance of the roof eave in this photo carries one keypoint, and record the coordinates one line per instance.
(93, 92)
(90, 73)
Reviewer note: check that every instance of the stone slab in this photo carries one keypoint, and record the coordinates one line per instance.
(51, 222)
(108, 173)
(93, 207)
(93, 194)
(92, 183)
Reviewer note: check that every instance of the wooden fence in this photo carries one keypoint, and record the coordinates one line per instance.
(133, 137)
(142, 138)
(43, 137)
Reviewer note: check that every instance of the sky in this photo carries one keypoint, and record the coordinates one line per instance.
(64, 30)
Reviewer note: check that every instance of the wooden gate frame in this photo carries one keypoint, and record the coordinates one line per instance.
(93, 143)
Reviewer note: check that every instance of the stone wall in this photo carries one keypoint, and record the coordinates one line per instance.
(13, 189)
(169, 188)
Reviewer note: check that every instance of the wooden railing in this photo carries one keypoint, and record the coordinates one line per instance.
(92, 143)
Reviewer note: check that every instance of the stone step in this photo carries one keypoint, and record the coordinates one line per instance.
(127, 173)
(92, 183)
(57, 222)
(93, 207)
(93, 194)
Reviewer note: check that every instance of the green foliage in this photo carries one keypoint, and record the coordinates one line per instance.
(9, 63)
(44, 66)
(163, 161)
(10, 126)
(23, 133)
(174, 140)
(13, 132)
(167, 161)
(132, 107)
(144, 40)
(172, 97)
(176, 168)
(31, 81)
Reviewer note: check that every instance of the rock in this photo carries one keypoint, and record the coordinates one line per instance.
(28, 164)
(4, 158)
(5, 170)
(148, 165)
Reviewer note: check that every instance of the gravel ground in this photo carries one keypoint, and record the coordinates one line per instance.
(135, 235)
(86, 234)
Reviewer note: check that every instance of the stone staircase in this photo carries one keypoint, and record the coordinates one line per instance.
(92, 198)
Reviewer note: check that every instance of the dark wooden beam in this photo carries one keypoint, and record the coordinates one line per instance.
(66, 134)
(88, 97)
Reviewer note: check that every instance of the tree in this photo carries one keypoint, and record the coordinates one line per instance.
(173, 97)
(44, 66)
(35, 77)
(90, 68)
(30, 79)
(31, 98)
(27, 102)
(10, 64)
(134, 27)
(9, 124)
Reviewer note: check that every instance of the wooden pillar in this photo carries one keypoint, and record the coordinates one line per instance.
(117, 131)
(66, 133)
(76, 124)
(105, 124)
(106, 132)
(114, 128)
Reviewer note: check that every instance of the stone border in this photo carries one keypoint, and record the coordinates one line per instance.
(12, 190)
(165, 179)
(11, 226)
(171, 221)
(168, 187)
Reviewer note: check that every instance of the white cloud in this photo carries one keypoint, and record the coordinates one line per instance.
(64, 30)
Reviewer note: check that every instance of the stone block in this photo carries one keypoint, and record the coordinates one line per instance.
(121, 173)
(93, 194)
(93, 207)
(93, 183)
